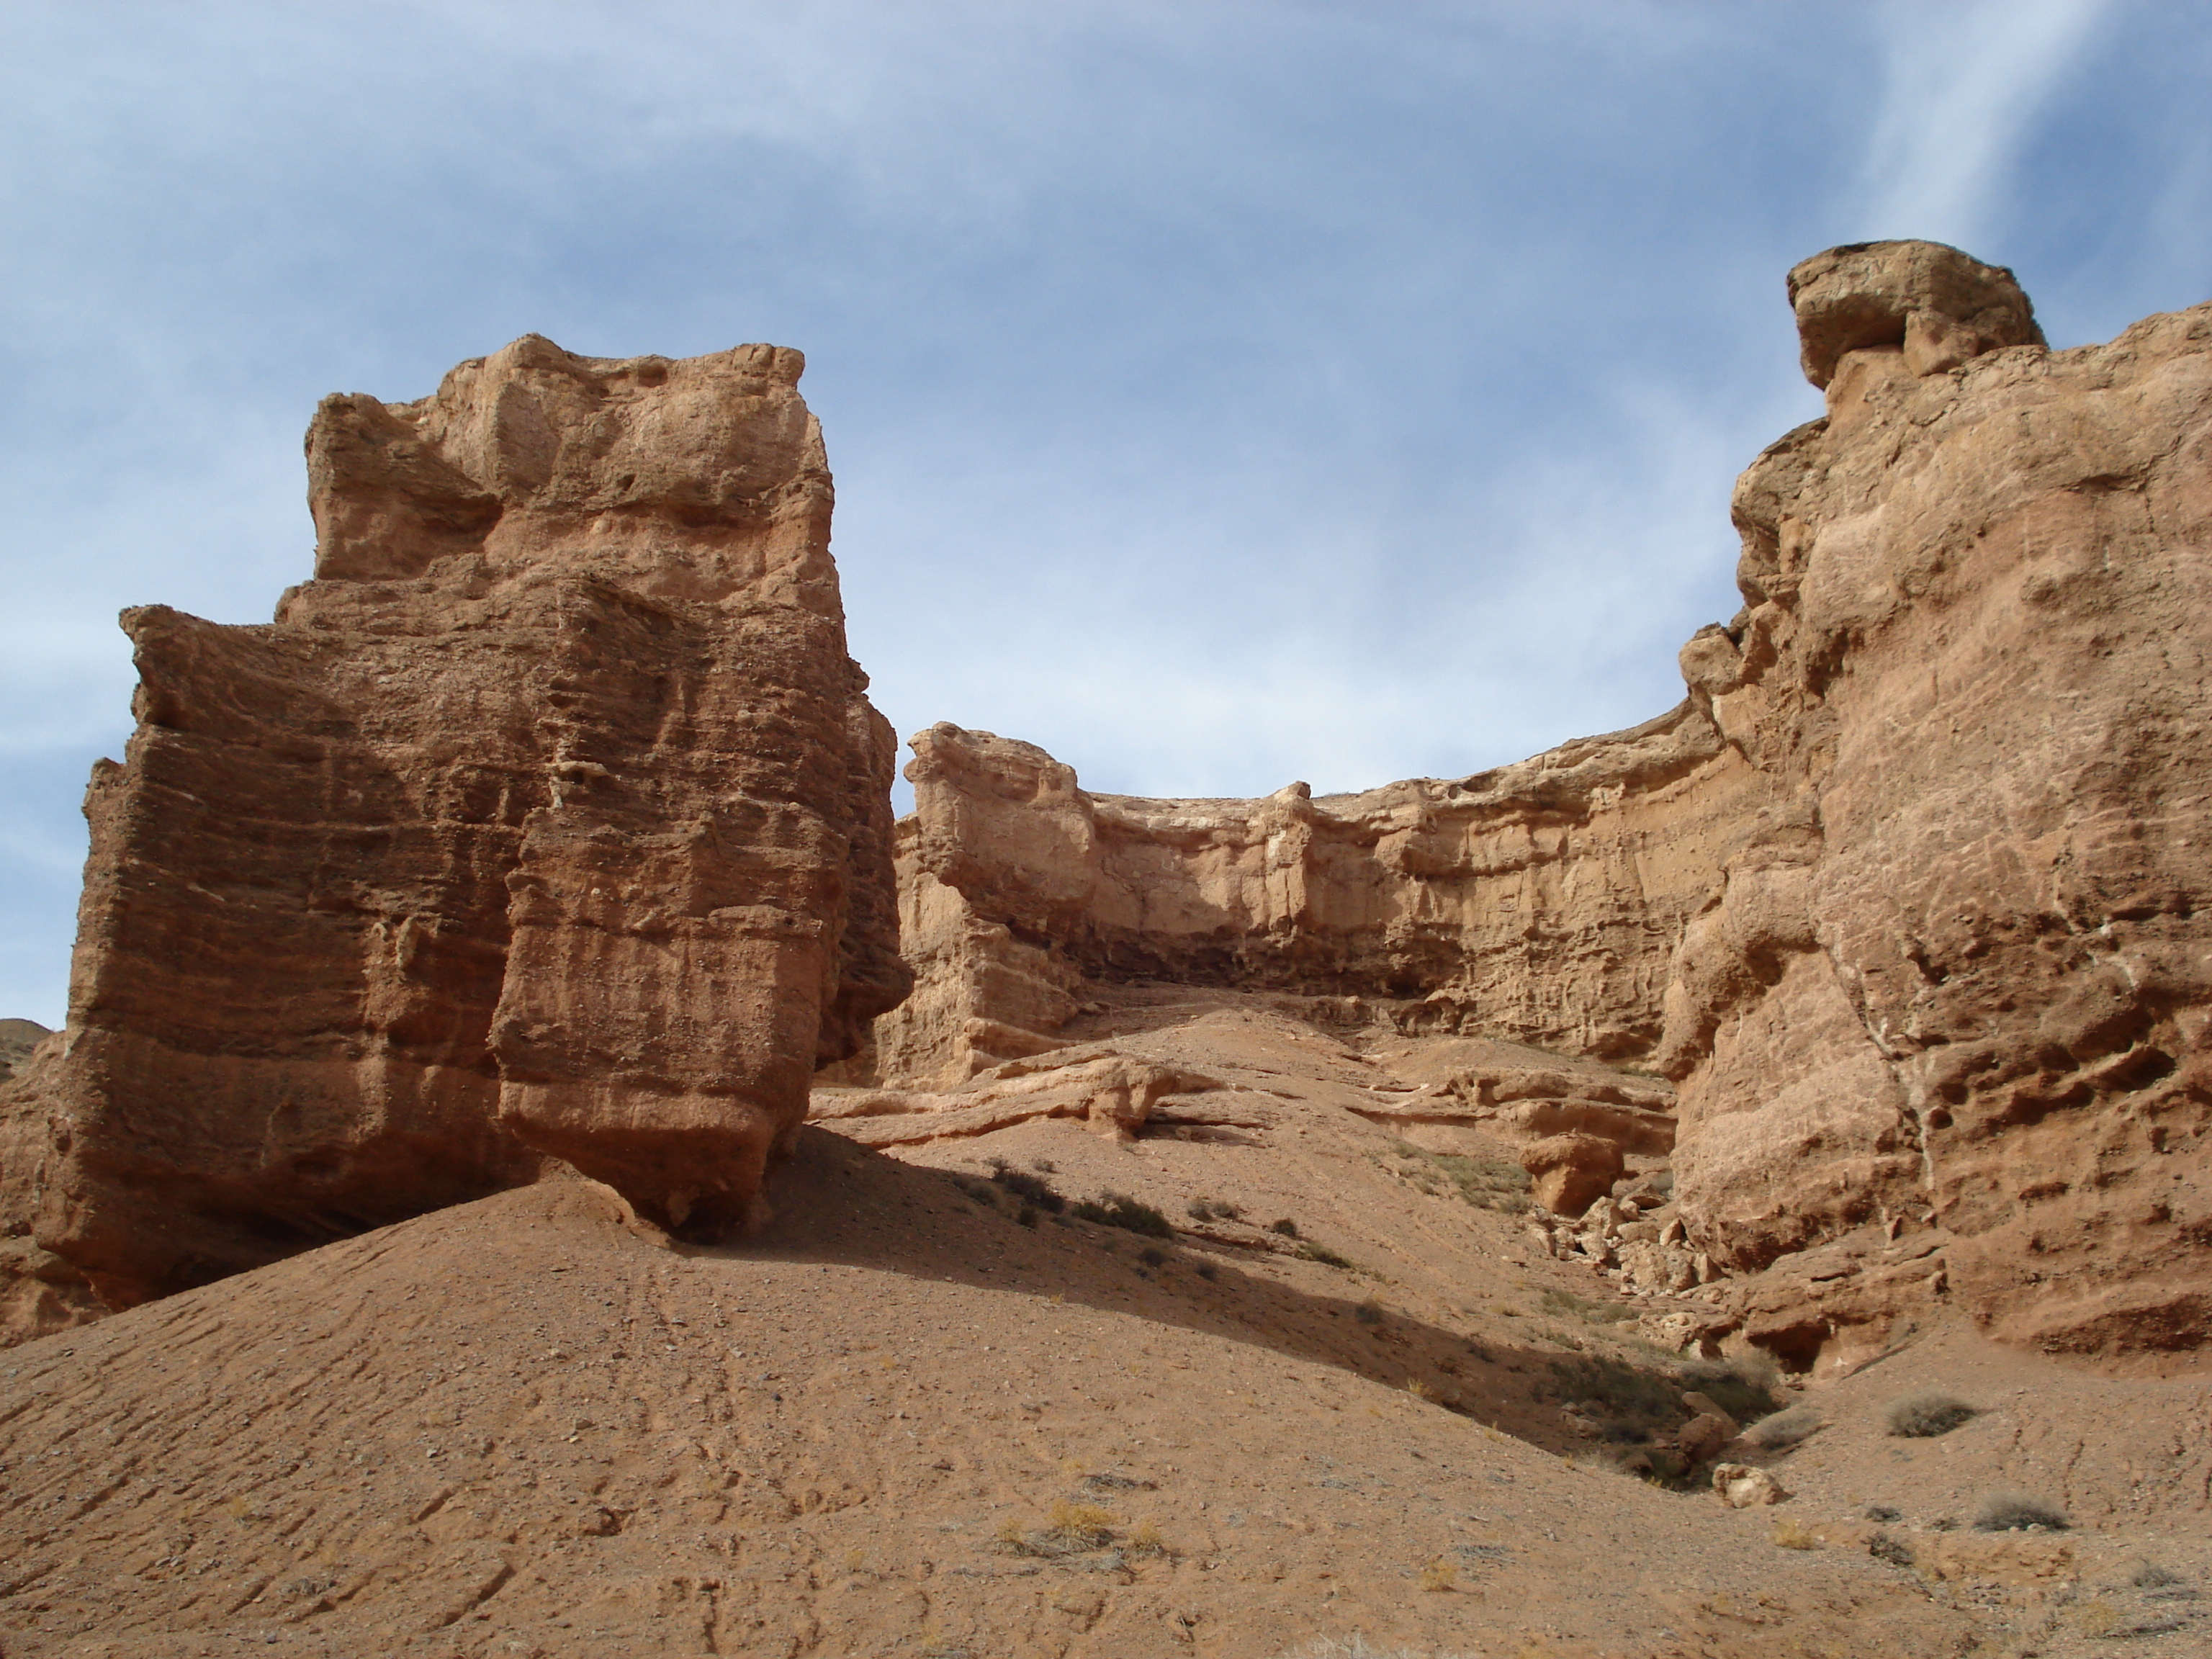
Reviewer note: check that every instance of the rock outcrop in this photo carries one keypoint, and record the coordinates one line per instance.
(1958, 976)
(548, 821)
(1539, 901)
(1907, 899)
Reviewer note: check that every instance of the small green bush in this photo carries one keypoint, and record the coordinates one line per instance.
(1926, 1413)
(2015, 1511)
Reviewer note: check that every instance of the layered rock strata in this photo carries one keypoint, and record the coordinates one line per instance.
(1959, 976)
(1540, 901)
(548, 821)
(1906, 899)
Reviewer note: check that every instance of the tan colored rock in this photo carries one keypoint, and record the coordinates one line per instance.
(1937, 306)
(1704, 1436)
(1537, 900)
(1741, 1486)
(1958, 973)
(549, 819)
(1568, 1172)
(1112, 1094)
(17, 1038)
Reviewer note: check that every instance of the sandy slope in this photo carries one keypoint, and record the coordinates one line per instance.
(529, 1426)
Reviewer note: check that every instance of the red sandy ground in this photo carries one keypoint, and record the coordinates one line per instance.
(530, 1425)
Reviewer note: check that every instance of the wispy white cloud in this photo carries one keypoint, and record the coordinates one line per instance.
(1964, 84)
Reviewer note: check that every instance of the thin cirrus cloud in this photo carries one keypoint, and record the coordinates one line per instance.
(1219, 395)
(1963, 85)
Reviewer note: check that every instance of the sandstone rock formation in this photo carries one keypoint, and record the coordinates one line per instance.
(1570, 1172)
(1905, 899)
(1956, 976)
(549, 819)
(17, 1038)
(1538, 902)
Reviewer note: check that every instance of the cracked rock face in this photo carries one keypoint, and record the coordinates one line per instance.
(550, 819)
(1959, 973)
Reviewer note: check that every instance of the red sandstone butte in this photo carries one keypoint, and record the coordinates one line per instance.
(550, 819)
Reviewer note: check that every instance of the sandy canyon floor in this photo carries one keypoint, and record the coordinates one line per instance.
(912, 1419)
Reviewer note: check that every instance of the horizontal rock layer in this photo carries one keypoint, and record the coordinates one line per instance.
(549, 820)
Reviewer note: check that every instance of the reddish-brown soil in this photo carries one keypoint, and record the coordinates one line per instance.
(532, 1426)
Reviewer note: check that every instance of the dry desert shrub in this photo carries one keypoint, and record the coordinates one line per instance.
(1328, 1647)
(1562, 1304)
(1120, 1209)
(1439, 1575)
(1027, 1187)
(1785, 1428)
(1926, 1412)
(1286, 1227)
(1793, 1535)
(2015, 1511)
(1747, 1387)
(1309, 1251)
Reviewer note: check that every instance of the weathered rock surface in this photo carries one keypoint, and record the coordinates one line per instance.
(1905, 899)
(1958, 975)
(549, 820)
(1568, 1173)
(17, 1038)
(1537, 902)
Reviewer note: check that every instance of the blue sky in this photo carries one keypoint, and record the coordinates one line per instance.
(1219, 393)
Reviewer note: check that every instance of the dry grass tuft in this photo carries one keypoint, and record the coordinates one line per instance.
(2015, 1511)
(1439, 1575)
(1784, 1428)
(1793, 1535)
(1927, 1413)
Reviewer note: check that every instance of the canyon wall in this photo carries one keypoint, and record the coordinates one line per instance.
(1907, 898)
(1540, 901)
(551, 820)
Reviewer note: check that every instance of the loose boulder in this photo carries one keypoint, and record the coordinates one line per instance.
(1568, 1173)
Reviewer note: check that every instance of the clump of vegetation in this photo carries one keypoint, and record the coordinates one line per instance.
(2015, 1511)
(1309, 1251)
(1027, 1215)
(1439, 1575)
(1927, 1413)
(1286, 1227)
(1746, 1389)
(1562, 1304)
(1650, 1399)
(1781, 1429)
(981, 1191)
(2150, 1575)
(1369, 1312)
(1489, 1184)
(1120, 1209)
(1145, 1540)
(1072, 1528)
(1027, 1187)
(1793, 1535)
(1214, 1209)
(1883, 1547)
(1153, 1257)
(1207, 1270)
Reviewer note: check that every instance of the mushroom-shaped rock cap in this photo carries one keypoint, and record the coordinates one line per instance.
(1940, 306)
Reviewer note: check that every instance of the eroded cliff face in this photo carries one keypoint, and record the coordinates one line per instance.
(1540, 901)
(550, 819)
(1959, 978)
(1906, 898)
